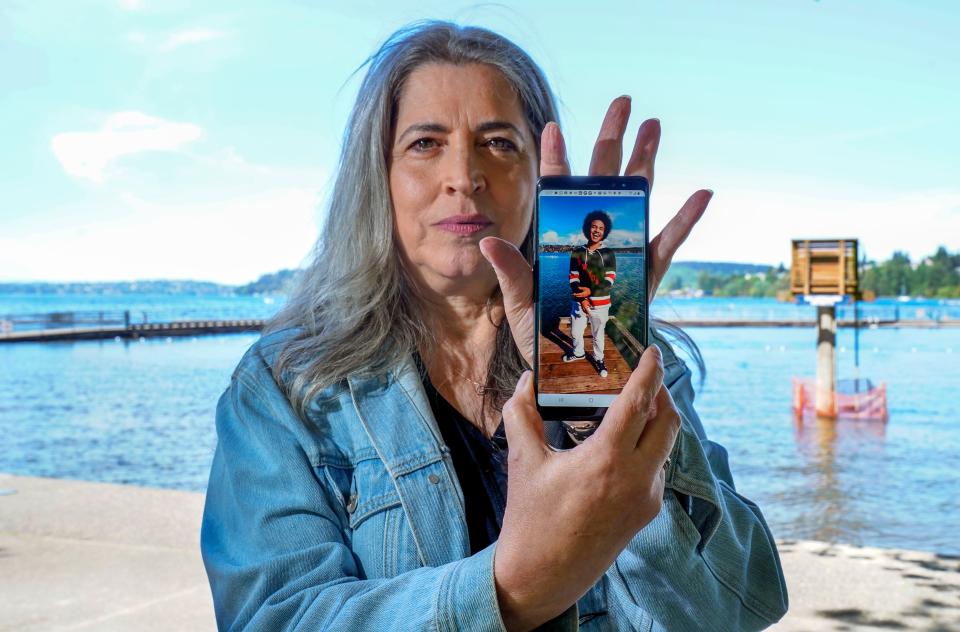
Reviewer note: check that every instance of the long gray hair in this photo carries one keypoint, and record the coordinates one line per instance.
(355, 307)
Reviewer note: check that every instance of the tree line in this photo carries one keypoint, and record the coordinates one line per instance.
(935, 276)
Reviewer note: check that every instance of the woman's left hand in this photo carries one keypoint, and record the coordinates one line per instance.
(513, 272)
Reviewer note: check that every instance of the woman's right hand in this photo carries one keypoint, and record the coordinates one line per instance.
(569, 514)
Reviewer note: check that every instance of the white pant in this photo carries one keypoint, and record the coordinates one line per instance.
(578, 324)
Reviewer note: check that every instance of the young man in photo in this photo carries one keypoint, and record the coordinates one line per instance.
(593, 269)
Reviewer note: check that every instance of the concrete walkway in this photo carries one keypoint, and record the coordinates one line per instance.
(92, 556)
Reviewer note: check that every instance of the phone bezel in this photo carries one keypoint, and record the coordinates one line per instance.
(627, 183)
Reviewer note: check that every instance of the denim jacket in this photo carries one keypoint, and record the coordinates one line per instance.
(353, 519)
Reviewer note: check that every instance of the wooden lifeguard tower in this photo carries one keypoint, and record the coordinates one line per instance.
(825, 273)
(824, 268)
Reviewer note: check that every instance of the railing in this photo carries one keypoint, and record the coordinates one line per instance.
(68, 326)
(78, 319)
(97, 319)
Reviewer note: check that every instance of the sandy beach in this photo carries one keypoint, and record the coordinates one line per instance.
(76, 555)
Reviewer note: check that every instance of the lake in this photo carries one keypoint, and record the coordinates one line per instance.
(142, 413)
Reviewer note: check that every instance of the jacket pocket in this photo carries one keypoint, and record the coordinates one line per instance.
(380, 535)
(677, 511)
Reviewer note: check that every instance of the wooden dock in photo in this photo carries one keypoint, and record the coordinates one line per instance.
(134, 331)
(580, 376)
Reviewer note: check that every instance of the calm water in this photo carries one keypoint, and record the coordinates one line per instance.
(142, 413)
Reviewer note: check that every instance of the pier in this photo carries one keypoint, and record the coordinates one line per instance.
(124, 325)
(580, 376)
(135, 331)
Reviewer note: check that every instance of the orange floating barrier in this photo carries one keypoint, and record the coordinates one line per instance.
(854, 399)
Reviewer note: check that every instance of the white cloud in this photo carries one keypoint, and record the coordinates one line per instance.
(553, 237)
(229, 240)
(88, 154)
(619, 238)
(130, 5)
(756, 225)
(189, 36)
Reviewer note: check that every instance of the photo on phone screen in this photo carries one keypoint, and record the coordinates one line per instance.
(591, 293)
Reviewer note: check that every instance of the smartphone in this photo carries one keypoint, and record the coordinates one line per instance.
(590, 292)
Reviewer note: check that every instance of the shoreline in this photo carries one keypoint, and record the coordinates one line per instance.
(86, 555)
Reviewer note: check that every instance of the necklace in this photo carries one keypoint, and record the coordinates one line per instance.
(477, 386)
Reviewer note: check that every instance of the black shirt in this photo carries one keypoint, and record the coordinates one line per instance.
(481, 466)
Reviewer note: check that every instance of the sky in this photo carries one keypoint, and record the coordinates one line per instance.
(561, 219)
(148, 139)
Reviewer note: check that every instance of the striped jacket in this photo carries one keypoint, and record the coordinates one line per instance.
(596, 270)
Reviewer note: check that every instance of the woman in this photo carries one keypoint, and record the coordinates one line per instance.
(593, 270)
(336, 500)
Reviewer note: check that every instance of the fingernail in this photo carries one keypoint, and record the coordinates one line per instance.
(551, 137)
(710, 191)
(522, 382)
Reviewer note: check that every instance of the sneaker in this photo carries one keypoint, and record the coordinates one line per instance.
(570, 357)
(602, 368)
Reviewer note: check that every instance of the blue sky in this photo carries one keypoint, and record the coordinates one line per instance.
(149, 139)
(561, 219)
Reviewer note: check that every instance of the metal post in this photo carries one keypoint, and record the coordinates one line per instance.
(826, 404)
(126, 319)
(856, 346)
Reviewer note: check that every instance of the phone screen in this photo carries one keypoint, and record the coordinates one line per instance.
(591, 293)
